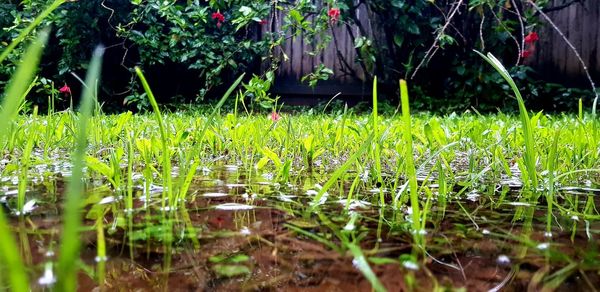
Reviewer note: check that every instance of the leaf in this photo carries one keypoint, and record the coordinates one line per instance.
(230, 270)
(272, 156)
(398, 40)
(98, 166)
(245, 10)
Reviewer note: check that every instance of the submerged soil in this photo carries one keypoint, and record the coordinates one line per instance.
(239, 233)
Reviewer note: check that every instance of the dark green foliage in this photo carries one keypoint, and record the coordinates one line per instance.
(189, 54)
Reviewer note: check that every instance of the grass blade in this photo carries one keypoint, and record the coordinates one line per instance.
(19, 83)
(341, 171)
(377, 153)
(70, 246)
(410, 164)
(360, 262)
(530, 155)
(167, 181)
(24, 33)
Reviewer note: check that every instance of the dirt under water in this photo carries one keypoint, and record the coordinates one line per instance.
(234, 234)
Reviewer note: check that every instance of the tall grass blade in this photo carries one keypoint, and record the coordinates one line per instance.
(530, 154)
(18, 85)
(24, 33)
(167, 181)
(210, 118)
(377, 144)
(551, 167)
(410, 164)
(70, 246)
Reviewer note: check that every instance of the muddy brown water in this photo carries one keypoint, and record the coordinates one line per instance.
(233, 233)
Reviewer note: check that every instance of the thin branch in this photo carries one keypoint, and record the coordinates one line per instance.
(434, 46)
(510, 34)
(522, 28)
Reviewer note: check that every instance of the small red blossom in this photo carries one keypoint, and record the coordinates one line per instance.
(531, 38)
(219, 17)
(526, 54)
(65, 89)
(334, 14)
(262, 22)
(275, 116)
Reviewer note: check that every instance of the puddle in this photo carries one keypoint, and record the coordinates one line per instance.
(232, 233)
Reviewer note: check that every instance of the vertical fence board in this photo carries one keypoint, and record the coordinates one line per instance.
(301, 63)
(580, 23)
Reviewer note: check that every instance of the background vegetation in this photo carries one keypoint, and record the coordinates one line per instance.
(192, 49)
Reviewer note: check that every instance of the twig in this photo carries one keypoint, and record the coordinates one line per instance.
(522, 29)
(510, 34)
(434, 46)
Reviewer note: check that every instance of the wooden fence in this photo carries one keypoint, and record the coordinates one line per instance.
(580, 24)
(338, 55)
(554, 59)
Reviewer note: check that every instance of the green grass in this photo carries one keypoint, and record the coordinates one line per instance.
(428, 163)
(527, 128)
(456, 152)
(410, 171)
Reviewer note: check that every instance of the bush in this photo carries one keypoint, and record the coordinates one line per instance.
(193, 49)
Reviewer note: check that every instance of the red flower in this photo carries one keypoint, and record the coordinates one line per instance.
(262, 22)
(334, 14)
(275, 116)
(526, 53)
(65, 89)
(219, 17)
(531, 38)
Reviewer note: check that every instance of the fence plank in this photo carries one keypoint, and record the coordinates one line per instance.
(302, 63)
(580, 23)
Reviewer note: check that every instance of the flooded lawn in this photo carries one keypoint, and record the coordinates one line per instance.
(303, 203)
(239, 230)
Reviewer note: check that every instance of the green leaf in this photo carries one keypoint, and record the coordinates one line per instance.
(229, 271)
